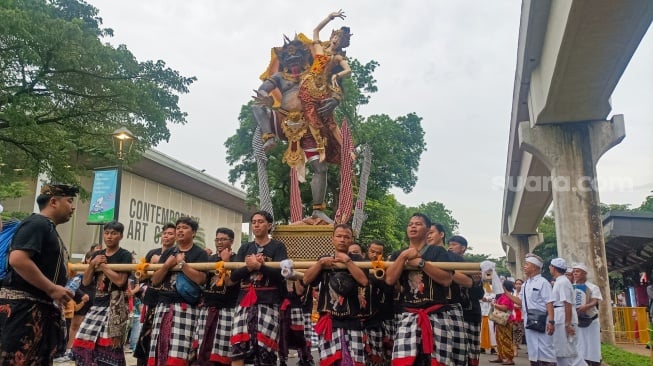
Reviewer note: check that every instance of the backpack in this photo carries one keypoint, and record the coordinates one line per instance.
(6, 235)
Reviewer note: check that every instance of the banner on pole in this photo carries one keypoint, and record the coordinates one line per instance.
(104, 196)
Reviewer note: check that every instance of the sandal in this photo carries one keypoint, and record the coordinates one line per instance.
(508, 363)
(498, 360)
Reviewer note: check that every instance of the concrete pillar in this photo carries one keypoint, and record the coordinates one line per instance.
(521, 245)
(571, 151)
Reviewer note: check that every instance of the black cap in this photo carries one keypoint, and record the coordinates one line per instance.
(61, 190)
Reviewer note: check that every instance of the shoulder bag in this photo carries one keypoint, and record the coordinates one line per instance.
(535, 319)
(498, 316)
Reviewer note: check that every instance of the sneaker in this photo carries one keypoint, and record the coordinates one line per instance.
(62, 359)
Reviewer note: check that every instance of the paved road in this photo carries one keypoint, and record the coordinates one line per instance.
(521, 360)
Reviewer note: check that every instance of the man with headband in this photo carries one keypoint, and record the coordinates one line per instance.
(33, 292)
(587, 299)
(535, 296)
(565, 340)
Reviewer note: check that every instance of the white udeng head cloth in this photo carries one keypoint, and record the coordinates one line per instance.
(535, 261)
(580, 266)
(559, 263)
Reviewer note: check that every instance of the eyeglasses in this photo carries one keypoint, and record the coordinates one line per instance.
(218, 240)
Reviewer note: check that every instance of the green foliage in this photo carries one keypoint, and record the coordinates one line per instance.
(12, 190)
(386, 221)
(615, 356)
(63, 91)
(605, 208)
(647, 205)
(397, 146)
(549, 248)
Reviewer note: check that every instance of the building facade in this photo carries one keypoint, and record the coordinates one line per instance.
(153, 191)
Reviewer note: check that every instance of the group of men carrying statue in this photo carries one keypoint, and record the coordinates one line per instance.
(296, 102)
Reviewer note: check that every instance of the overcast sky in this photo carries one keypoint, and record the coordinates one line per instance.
(451, 62)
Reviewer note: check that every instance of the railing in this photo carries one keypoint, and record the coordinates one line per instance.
(631, 325)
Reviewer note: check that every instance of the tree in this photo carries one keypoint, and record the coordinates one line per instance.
(386, 221)
(549, 247)
(63, 91)
(605, 207)
(397, 145)
(647, 205)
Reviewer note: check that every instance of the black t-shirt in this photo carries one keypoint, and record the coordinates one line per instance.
(167, 290)
(151, 295)
(267, 281)
(103, 285)
(419, 290)
(380, 300)
(468, 298)
(219, 296)
(342, 297)
(38, 236)
(455, 290)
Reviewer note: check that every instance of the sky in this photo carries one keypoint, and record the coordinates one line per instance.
(450, 62)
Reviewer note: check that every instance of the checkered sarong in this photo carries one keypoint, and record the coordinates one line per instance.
(94, 325)
(374, 345)
(308, 329)
(331, 351)
(267, 333)
(218, 333)
(457, 328)
(408, 340)
(473, 340)
(183, 322)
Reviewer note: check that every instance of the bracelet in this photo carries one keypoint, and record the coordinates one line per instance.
(552, 321)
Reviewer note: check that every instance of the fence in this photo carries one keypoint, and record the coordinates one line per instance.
(631, 325)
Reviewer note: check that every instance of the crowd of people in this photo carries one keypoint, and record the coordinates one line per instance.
(557, 320)
(415, 313)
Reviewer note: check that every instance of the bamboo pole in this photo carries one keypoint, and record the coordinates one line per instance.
(208, 266)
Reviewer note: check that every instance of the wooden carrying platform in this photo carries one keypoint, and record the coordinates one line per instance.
(305, 242)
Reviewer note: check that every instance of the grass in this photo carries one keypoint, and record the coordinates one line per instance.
(615, 356)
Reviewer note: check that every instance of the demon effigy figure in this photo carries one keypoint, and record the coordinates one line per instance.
(305, 75)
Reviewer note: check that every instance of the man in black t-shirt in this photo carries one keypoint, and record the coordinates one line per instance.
(213, 333)
(471, 292)
(101, 335)
(259, 298)
(33, 292)
(423, 325)
(177, 311)
(339, 328)
(150, 295)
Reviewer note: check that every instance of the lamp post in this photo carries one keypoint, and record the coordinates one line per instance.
(105, 195)
(123, 140)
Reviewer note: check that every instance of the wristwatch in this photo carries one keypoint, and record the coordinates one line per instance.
(552, 321)
(421, 264)
(180, 265)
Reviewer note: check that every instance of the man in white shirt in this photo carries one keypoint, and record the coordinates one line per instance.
(565, 341)
(535, 295)
(587, 301)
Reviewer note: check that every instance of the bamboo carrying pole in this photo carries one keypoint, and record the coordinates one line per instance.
(208, 266)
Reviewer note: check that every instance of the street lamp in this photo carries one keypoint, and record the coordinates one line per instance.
(123, 140)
